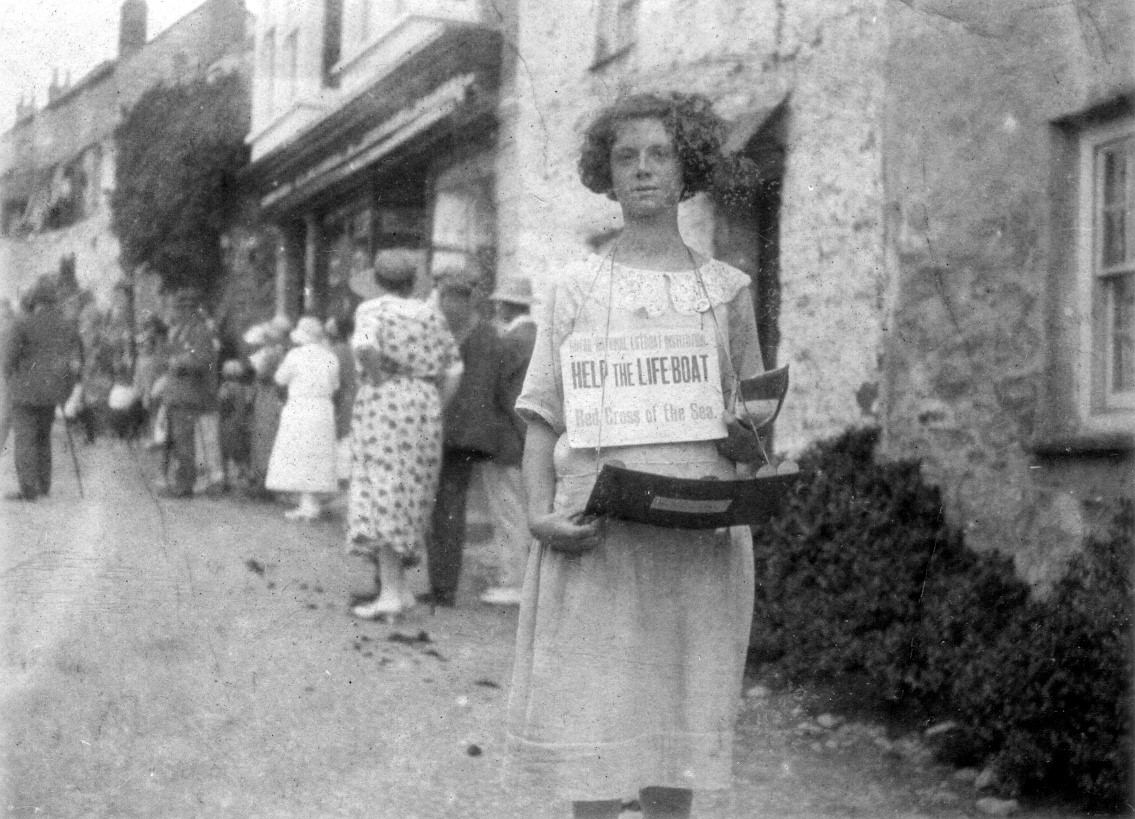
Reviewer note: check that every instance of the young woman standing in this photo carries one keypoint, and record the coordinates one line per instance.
(632, 638)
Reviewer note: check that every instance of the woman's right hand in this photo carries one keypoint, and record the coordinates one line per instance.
(570, 533)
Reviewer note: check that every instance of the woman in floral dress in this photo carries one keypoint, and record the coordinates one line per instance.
(406, 367)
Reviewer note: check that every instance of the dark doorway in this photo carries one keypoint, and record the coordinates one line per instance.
(747, 227)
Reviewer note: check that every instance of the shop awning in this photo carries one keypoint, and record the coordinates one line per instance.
(438, 91)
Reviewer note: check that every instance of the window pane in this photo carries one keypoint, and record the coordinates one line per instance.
(1114, 176)
(1120, 293)
(1114, 237)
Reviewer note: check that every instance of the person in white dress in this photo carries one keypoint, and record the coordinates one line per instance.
(303, 455)
(631, 638)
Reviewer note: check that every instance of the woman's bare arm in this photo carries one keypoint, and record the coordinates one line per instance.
(566, 531)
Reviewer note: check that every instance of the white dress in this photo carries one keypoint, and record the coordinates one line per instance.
(630, 657)
(303, 455)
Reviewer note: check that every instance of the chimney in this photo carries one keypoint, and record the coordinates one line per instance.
(132, 27)
(53, 89)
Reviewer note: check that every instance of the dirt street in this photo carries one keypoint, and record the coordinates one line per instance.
(197, 658)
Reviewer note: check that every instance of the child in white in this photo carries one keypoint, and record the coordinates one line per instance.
(303, 455)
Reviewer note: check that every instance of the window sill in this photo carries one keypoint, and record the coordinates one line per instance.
(1082, 443)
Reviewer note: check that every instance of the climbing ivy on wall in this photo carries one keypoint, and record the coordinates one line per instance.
(180, 150)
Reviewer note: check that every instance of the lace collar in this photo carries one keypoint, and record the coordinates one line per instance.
(653, 292)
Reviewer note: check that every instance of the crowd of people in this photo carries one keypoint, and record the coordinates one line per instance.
(393, 404)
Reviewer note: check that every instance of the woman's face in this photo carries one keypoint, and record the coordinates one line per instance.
(645, 168)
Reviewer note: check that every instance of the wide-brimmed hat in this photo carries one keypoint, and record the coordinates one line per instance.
(514, 291)
(308, 331)
(457, 279)
(397, 265)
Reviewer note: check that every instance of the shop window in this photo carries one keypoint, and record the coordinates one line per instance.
(464, 219)
(347, 246)
(1107, 267)
(618, 25)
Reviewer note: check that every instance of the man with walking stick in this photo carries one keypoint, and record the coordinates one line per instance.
(43, 363)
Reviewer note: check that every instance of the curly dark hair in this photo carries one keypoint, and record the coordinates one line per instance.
(697, 132)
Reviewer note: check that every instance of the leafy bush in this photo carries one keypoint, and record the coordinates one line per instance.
(1051, 696)
(861, 577)
(180, 150)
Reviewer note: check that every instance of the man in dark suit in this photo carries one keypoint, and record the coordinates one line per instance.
(42, 366)
(342, 300)
(191, 386)
(504, 485)
(470, 430)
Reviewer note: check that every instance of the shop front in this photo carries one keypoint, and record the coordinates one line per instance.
(406, 164)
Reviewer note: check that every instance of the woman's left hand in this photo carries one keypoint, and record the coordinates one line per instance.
(742, 444)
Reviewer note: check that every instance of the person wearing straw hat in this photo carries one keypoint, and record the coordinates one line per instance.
(303, 455)
(267, 342)
(500, 475)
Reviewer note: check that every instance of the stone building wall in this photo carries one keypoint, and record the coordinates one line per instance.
(823, 60)
(973, 89)
(921, 271)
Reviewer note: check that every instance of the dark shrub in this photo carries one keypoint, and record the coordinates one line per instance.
(860, 565)
(1051, 697)
(861, 578)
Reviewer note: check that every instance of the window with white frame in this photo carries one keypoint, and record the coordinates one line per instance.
(618, 25)
(1107, 264)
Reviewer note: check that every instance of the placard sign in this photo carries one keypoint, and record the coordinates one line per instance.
(641, 387)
